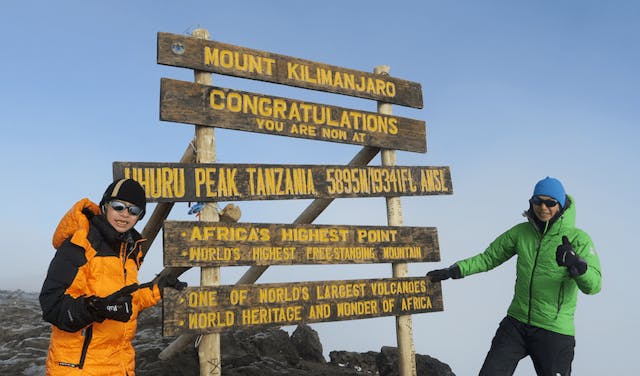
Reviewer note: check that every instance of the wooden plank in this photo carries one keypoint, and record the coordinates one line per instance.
(218, 308)
(206, 182)
(192, 103)
(216, 57)
(223, 244)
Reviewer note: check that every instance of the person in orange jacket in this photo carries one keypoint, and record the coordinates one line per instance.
(91, 293)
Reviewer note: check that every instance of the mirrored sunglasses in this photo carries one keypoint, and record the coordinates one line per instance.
(550, 203)
(120, 206)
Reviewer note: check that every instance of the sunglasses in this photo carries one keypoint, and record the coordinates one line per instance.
(120, 206)
(550, 203)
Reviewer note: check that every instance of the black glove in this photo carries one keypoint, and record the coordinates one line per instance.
(441, 274)
(170, 281)
(116, 306)
(566, 256)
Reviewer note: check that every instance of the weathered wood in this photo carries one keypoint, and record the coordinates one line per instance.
(209, 353)
(189, 103)
(404, 332)
(222, 58)
(176, 182)
(230, 214)
(308, 215)
(221, 244)
(217, 308)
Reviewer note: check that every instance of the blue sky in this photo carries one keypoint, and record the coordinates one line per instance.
(513, 91)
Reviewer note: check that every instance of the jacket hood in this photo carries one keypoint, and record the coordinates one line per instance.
(569, 215)
(75, 221)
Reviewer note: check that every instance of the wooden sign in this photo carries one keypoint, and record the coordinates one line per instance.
(222, 244)
(192, 103)
(216, 57)
(216, 308)
(203, 182)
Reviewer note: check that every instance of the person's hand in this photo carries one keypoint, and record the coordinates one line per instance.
(443, 274)
(170, 281)
(116, 306)
(439, 275)
(567, 256)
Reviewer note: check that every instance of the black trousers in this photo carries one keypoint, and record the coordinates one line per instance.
(551, 353)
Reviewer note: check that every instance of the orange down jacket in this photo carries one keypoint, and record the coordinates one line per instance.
(92, 259)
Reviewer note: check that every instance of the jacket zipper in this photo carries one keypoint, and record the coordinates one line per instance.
(124, 264)
(87, 333)
(560, 299)
(123, 256)
(126, 252)
(533, 272)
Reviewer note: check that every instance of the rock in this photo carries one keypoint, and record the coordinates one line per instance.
(362, 363)
(271, 343)
(307, 343)
(388, 362)
(24, 340)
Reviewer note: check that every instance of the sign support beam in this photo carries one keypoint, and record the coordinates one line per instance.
(209, 347)
(404, 324)
(312, 212)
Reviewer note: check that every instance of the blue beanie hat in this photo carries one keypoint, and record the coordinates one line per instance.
(550, 187)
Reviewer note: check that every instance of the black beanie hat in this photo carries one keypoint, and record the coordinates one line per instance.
(127, 190)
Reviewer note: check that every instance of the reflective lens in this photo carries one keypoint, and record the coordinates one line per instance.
(550, 203)
(120, 206)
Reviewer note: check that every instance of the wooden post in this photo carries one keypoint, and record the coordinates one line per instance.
(209, 348)
(231, 213)
(404, 326)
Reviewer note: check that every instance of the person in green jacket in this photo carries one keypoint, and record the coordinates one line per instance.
(555, 260)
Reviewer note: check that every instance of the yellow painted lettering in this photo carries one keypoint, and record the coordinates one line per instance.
(216, 99)
(203, 298)
(292, 71)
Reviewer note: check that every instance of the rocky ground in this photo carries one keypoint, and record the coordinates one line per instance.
(24, 339)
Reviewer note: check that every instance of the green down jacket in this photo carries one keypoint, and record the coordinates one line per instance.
(545, 295)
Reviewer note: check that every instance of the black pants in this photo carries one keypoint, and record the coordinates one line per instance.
(551, 353)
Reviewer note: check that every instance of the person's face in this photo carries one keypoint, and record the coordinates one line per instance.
(119, 216)
(541, 208)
